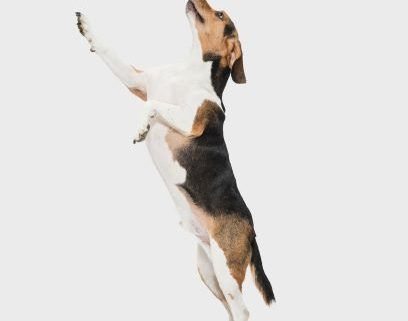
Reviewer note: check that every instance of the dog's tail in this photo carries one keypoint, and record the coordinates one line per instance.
(259, 276)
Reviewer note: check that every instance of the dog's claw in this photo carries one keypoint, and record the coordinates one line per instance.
(142, 134)
(86, 31)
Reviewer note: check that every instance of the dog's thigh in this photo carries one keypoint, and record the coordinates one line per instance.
(231, 253)
(207, 274)
(229, 285)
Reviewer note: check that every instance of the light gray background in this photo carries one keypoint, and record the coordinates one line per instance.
(318, 142)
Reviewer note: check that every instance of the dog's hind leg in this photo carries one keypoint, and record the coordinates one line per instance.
(206, 271)
(230, 271)
(132, 78)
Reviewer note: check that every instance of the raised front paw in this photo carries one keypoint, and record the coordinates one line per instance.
(85, 30)
(142, 133)
(144, 128)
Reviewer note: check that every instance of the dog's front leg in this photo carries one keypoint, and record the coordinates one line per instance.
(178, 118)
(182, 120)
(132, 78)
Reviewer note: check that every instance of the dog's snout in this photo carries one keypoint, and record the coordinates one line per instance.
(199, 5)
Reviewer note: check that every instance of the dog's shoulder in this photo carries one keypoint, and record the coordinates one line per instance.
(209, 119)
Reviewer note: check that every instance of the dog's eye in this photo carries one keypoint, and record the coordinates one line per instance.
(220, 14)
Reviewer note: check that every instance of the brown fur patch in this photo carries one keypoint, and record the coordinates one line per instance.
(204, 114)
(175, 141)
(233, 235)
(213, 42)
(211, 33)
(138, 92)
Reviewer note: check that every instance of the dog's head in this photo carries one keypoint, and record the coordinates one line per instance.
(217, 36)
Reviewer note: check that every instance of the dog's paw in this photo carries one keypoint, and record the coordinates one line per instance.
(85, 30)
(144, 128)
(142, 133)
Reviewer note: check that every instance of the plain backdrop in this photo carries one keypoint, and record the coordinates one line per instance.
(317, 139)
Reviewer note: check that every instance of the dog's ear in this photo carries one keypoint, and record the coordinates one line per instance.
(237, 64)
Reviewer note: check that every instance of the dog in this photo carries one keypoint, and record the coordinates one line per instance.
(182, 125)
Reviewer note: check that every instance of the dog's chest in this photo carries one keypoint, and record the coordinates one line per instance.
(157, 142)
(160, 142)
(180, 84)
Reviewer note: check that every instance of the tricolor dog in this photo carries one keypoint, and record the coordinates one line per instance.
(183, 130)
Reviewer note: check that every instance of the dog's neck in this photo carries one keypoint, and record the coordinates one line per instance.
(218, 74)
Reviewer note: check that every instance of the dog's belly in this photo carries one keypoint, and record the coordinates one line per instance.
(173, 175)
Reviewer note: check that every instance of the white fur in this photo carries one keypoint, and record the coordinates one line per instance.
(228, 284)
(125, 72)
(206, 270)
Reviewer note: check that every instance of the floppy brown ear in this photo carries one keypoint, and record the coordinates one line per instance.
(237, 65)
(238, 73)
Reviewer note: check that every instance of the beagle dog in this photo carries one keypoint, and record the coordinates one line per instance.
(182, 126)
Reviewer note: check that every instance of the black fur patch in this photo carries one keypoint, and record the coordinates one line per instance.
(262, 281)
(229, 29)
(210, 180)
